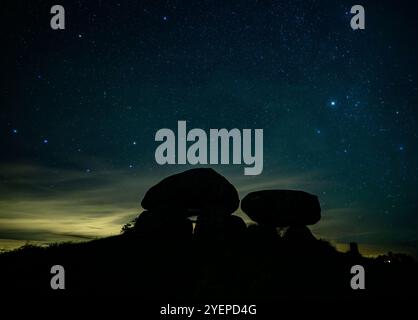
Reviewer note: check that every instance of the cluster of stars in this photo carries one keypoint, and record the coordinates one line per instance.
(46, 142)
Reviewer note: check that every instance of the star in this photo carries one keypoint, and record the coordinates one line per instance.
(333, 103)
(88, 170)
(14, 131)
(45, 141)
(401, 148)
(317, 131)
(131, 166)
(134, 143)
(165, 18)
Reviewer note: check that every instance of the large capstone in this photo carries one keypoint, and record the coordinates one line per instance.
(282, 208)
(192, 193)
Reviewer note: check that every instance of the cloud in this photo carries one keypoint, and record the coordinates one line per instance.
(41, 204)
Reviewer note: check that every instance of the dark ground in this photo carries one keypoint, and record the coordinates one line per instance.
(253, 264)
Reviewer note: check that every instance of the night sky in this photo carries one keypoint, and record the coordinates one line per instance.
(80, 108)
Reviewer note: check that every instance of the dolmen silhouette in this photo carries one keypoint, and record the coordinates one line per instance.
(201, 193)
(188, 244)
(207, 198)
(298, 254)
(293, 209)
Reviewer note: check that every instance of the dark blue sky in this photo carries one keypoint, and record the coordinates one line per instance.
(80, 108)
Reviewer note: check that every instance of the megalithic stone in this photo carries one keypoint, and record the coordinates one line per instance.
(192, 192)
(282, 208)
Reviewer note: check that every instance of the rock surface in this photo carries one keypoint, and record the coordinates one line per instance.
(191, 193)
(282, 208)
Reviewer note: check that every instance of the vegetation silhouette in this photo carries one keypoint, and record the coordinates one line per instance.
(187, 244)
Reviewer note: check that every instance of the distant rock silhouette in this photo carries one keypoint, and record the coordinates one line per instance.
(354, 251)
(282, 208)
(191, 193)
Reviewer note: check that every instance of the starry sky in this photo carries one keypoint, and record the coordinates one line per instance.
(80, 108)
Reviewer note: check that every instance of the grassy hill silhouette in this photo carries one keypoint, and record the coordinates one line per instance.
(162, 255)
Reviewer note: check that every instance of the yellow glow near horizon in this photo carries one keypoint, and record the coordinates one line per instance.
(84, 207)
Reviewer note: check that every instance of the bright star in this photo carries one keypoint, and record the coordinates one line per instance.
(333, 103)
(165, 18)
(45, 141)
(134, 143)
(14, 130)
